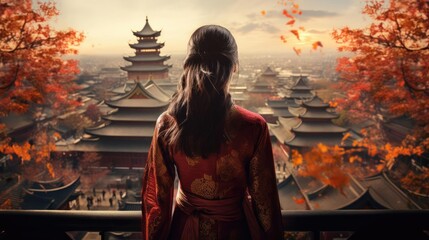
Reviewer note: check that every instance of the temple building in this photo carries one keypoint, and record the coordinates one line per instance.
(311, 127)
(147, 62)
(373, 192)
(301, 90)
(124, 138)
(263, 88)
(41, 194)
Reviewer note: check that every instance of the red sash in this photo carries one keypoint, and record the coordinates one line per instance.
(230, 209)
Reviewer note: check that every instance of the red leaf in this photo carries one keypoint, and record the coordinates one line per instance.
(286, 13)
(317, 44)
(296, 33)
(291, 22)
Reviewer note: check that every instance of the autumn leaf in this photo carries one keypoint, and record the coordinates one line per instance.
(296, 158)
(345, 137)
(323, 148)
(291, 22)
(296, 33)
(286, 13)
(50, 169)
(263, 12)
(316, 45)
(352, 159)
(297, 51)
(283, 38)
(300, 200)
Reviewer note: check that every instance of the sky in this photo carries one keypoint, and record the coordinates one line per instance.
(108, 24)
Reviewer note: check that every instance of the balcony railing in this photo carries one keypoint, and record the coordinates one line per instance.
(53, 224)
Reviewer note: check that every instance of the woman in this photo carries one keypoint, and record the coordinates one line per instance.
(222, 154)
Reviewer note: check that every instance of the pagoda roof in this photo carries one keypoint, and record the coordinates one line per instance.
(316, 102)
(291, 102)
(58, 195)
(155, 91)
(147, 115)
(146, 58)
(278, 103)
(311, 140)
(259, 89)
(330, 198)
(137, 103)
(318, 114)
(269, 72)
(156, 68)
(301, 85)
(140, 145)
(318, 127)
(123, 130)
(297, 111)
(282, 112)
(147, 31)
(289, 123)
(376, 192)
(142, 95)
(280, 133)
(384, 191)
(146, 45)
(291, 196)
(301, 94)
(15, 121)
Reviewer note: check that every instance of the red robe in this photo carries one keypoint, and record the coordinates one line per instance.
(244, 165)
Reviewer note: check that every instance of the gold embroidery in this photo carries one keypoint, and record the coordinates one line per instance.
(193, 161)
(261, 193)
(204, 187)
(207, 228)
(228, 166)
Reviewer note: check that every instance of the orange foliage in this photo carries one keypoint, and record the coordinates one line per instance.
(30, 52)
(7, 204)
(389, 68)
(323, 163)
(263, 12)
(417, 182)
(33, 71)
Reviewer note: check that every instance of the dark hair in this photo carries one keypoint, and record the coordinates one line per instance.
(200, 105)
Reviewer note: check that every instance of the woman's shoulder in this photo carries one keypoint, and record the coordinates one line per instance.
(247, 116)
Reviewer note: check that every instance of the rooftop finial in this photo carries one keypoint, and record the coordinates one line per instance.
(146, 19)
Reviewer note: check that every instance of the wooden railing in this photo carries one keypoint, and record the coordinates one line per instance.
(53, 224)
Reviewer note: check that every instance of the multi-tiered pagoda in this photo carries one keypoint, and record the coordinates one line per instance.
(147, 62)
(123, 140)
(317, 127)
(310, 128)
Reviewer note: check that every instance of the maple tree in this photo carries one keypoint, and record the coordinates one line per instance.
(33, 71)
(387, 75)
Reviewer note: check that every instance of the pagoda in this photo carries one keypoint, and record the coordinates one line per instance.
(147, 62)
(123, 140)
(301, 90)
(311, 127)
(317, 127)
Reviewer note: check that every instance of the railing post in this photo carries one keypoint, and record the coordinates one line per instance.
(316, 235)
